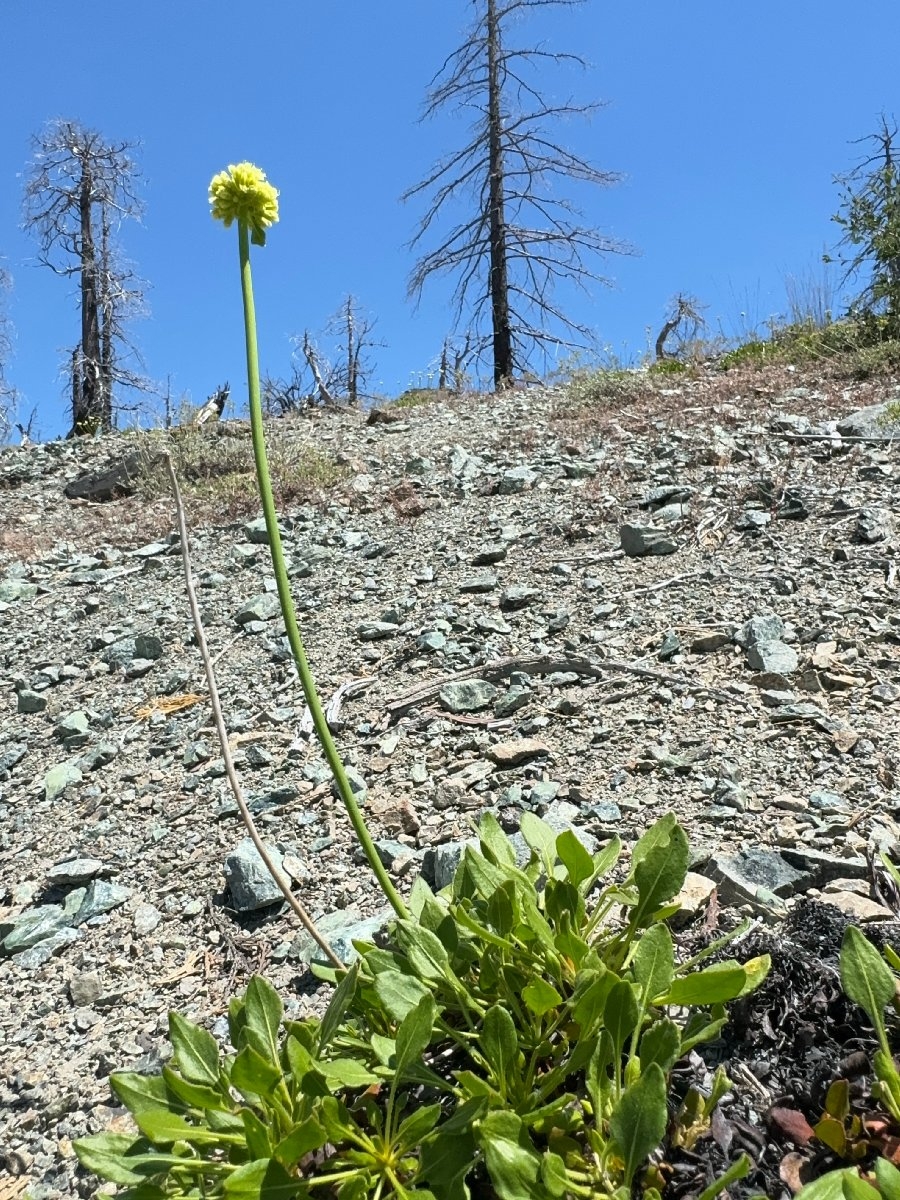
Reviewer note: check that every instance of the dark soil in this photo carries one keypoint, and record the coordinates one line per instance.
(783, 1046)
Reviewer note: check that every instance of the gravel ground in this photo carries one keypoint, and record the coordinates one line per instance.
(684, 597)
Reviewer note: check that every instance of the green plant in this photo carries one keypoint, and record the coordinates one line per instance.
(751, 354)
(243, 194)
(589, 391)
(869, 217)
(512, 1037)
(415, 398)
(870, 980)
(220, 470)
(667, 366)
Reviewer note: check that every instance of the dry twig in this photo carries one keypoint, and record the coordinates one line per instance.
(230, 771)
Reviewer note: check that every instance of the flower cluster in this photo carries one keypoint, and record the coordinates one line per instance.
(242, 193)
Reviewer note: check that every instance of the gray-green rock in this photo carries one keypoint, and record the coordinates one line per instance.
(28, 701)
(16, 589)
(249, 879)
(100, 897)
(59, 778)
(260, 608)
(467, 695)
(34, 926)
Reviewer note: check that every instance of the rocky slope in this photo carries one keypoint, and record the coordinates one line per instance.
(682, 597)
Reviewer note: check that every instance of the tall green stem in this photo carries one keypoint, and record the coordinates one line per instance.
(323, 733)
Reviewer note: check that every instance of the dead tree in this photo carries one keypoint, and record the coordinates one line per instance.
(311, 354)
(79, 190)
(519, 237)
(452, 378)
(352, 327)
(686, 314)
(331, 380)
(8, 395)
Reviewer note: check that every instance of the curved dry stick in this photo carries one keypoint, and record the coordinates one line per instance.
(246, 816)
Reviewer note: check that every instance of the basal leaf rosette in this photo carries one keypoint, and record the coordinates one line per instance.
(243, 194)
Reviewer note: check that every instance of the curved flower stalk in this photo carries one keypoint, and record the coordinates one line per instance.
(243, 194)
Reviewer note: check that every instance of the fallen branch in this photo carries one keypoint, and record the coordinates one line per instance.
(333, 707)
(545, 665)
(230, 771)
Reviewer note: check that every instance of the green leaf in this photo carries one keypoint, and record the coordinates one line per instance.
(501, 911)
(196, 1051)
(237, 1021)
(252, 1073)
(572, 854)
(448, 1155)
(866, 977)
(571, 946)
(539, 837)
(466, 921)
(346, 1073)
(659, 866)
(340, 1001)
(888, 1178)
(621, 1014)
(603, 861)
(553, 1174)
(258, 1133)
(193, 1095)
(562, 903)
(424, 905)
(638, 1122)
(495, 845)
(592, 986)
(140, 1093)
(713, 985)
(855, 1188)
(500, 1043)
(541, 996)
(163, 1128)
(145, 1191)
(121, 1157)
(826, 1187)
(476, 1087)
(888, 1082)
(653, 964)
(414, 1033)
(336, 1120)
(399, 993)
(264, 1011)
(425, 951)
(702, 1030)
(264, 1179)
(306, 1136)
(599, 1083)
(660, 1044)
(513, 1164)
(739, 1169)
(357, 1187)
(417, 1126)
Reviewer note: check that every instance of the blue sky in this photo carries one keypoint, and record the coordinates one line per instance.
(727, 121)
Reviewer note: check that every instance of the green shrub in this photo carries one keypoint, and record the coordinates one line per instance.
(667, 366)
(751, 354)
(415, 397)
(590, 391)
(513, 1033)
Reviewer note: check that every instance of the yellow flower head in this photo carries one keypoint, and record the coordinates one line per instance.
(242, 193)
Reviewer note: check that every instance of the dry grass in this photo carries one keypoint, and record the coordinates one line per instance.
(218, 474)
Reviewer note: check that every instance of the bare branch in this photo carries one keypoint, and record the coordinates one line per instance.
(79, 190)
(216, 705)
(519, 238)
